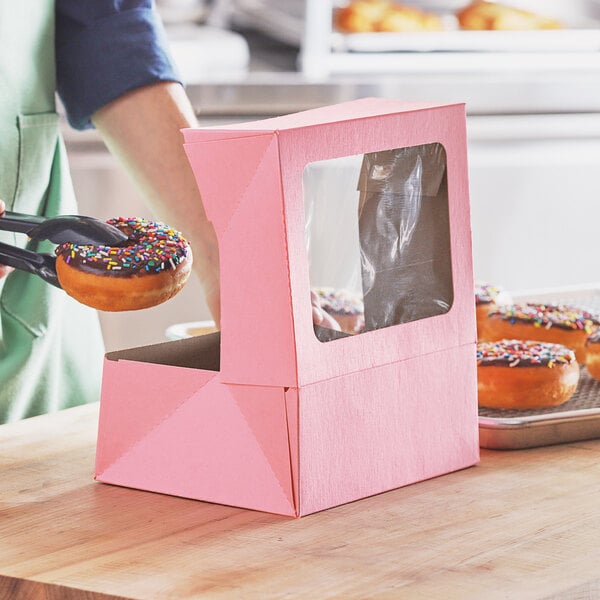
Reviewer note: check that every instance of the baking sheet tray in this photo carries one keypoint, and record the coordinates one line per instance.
(577, 419)
(562, 40)
(580, 18)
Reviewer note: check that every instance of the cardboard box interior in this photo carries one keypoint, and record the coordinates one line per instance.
(199, 352)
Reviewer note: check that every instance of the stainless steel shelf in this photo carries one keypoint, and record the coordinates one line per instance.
(279, 93)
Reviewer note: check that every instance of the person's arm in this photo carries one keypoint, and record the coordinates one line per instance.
(114, 72)
(4, 270)
(142, 128)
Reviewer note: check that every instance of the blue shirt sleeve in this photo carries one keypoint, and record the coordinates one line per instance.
(105, 48)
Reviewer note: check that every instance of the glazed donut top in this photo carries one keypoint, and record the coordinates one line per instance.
(563, 316)
(519, 353)
(339, 302)
(152, 247)
(485, 293)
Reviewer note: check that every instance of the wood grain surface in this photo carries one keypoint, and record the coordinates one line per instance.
(522, 524)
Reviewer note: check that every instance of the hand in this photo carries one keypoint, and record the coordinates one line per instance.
(4, 270)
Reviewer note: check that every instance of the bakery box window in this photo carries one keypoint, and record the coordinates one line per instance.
(378, 239)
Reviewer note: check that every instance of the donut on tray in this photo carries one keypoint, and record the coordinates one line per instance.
(487, 297)
(554, 323)
(517, 374)
(592, 356)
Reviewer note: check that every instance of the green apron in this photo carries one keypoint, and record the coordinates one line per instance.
(51, 349)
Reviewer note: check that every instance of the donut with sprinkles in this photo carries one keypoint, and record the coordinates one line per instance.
(555, 323)
(523, 374)
(149, 268)
(346, 307)
(487, 297)
(592, 357)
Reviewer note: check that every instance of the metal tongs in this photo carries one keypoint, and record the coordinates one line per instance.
(66, 228)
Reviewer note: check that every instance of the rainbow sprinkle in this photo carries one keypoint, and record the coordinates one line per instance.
(563, 316)
(519, 353)
(152, 248)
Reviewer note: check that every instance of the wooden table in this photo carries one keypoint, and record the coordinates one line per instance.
(521, 524)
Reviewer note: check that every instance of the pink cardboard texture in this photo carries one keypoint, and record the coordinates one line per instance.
(265, 416)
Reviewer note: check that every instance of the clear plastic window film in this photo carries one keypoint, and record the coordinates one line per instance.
(378, 239)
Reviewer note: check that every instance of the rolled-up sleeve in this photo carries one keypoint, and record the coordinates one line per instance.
(105, 48)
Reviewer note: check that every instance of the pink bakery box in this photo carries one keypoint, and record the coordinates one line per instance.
(266, 414)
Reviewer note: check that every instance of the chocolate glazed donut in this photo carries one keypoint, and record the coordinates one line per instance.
(592, 357)
(525, 374)
(151, 267)
(554, 323)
